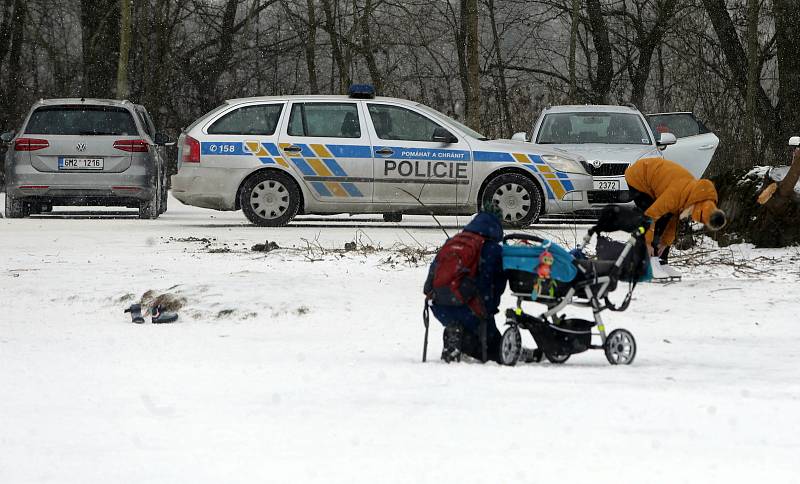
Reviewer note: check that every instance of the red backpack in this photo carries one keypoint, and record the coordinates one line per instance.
(452, 276)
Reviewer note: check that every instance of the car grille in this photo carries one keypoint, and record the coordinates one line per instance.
(606, 169)
(604, 196)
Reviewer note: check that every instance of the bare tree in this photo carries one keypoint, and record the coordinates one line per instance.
(124, 48)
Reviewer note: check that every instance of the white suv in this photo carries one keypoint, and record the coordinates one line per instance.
(613, 137)
(275, 157)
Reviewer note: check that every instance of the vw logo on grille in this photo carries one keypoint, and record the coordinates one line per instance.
(81, 147)
(596, 163)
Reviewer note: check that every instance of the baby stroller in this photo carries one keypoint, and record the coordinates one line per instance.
(543, 272)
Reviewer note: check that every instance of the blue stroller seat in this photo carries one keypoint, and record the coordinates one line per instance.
(521, 264)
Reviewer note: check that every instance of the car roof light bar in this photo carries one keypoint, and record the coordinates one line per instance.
(361, 91)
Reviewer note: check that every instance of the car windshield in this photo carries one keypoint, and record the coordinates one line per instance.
(584, 128)
(465, 129)
(82, 120)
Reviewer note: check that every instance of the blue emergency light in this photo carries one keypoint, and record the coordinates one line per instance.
(361, 91)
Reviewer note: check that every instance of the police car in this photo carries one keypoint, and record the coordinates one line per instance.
(276, 157)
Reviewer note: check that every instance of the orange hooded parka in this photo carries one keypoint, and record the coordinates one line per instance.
(673, 190)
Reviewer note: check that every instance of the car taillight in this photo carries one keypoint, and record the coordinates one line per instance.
(131, 145)
(30, 144)
(191, 150)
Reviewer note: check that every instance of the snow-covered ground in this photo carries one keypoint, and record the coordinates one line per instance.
(304, 365)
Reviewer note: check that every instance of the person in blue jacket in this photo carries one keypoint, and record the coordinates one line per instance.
(461, 324)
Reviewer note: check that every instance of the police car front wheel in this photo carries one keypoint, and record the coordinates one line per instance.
(270, 199)
(517, 196)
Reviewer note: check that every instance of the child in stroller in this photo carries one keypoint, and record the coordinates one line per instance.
(543, 272)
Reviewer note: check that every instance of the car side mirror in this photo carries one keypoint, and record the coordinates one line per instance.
(794, 141)
(666, 139)
(7, 137)
(161, 139)
(441, 135)
(521, 136)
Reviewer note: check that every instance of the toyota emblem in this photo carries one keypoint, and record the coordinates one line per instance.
(597, 163)
(81, 147)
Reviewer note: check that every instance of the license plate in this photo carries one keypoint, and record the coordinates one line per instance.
(606, 185)
(80, 163)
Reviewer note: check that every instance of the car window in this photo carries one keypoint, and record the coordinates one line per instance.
(148, 126)
(261, 119)
(464, 128)
(396, 123)
(681, 125)
(586, 127)
(206, 116)
(82, 120)
(334, 120)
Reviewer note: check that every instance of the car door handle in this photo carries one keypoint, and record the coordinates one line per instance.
(293, 149)
(384, 151)
(706, 147)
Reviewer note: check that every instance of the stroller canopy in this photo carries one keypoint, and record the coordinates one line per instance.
(526, 258)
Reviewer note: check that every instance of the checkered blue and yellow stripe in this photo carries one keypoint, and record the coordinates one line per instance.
(556, 183)
(313, 161)
(319, 166)
(318, 160)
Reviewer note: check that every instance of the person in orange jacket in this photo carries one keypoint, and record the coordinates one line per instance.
(668, 193)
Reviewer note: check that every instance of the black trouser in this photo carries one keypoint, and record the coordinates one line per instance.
(471, 343)
(643, 201)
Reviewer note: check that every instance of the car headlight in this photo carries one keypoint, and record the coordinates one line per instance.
(564, 164)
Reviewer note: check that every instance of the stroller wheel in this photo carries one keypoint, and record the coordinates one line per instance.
(620, 347)
(557, 358)
(510, 346)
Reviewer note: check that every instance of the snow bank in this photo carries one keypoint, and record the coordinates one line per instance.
(290, 366)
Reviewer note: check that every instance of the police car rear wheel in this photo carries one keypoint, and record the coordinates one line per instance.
(270, 199)
(518, 197)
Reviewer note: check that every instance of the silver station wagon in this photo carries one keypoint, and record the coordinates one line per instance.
(276, 157)
(85, 152)
(611, 138)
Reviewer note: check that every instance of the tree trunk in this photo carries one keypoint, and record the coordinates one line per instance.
(787, 40)
(336, 47)
(154, 80)
(761, 211)
(461, 42)
(100, 42)
(124, 48)
(646, 43)
(473, 66)
(736, 60)
(601, 85)
(15, 73)
(5, 28)
(573, 47)
(311, 47)
(505, 111)
(366, 48)
(753, 79)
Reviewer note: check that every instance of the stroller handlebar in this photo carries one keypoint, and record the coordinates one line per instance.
(531, 238)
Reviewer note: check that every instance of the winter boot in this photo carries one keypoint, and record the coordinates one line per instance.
(452, 343)
(136, 313)
(160, 316)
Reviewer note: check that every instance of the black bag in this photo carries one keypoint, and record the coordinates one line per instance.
(634, 266)
(570, 336)
(616, 217)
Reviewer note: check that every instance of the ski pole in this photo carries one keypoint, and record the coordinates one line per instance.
(484, 357)
(425, 320)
